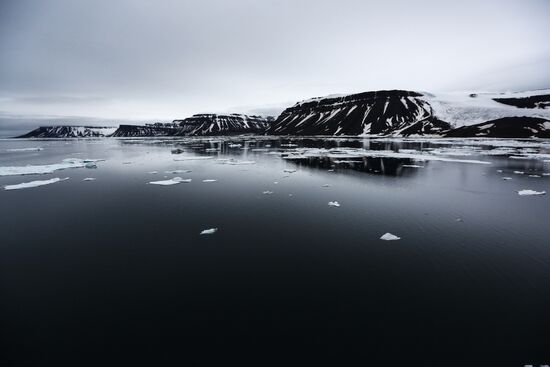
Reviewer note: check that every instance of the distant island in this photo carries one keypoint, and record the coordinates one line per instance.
(374, 113)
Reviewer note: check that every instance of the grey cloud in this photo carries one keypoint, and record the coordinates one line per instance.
(141, 59)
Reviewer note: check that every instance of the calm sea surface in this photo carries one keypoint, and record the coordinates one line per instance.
(114, 271)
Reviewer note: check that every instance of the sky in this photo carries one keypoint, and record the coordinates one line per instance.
(100, 61)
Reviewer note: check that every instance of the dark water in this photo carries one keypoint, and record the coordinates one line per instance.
(114, 271)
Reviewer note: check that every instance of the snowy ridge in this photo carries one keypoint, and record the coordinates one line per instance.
(470, 108)
(391, 112)
(214, 124)
(409, 113)
(70, 132)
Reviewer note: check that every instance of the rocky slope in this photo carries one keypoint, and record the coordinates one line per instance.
(405, 113)
(69, 132)
(214, 124)
(142, 131)
(392, 112)
(507, 127)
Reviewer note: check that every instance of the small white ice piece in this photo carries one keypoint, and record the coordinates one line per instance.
(209, 231)
(333, 203)
(289, 170)
(507, 178)
(267, 192)
(209, 180)
(519, 172)
(172, 181)
(89, 179)
(389, 237)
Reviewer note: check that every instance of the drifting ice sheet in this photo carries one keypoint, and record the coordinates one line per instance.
(47, 168)
(28, 185)
(334, 203)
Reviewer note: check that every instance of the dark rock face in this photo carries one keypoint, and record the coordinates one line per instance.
(381, 112)
(143, 131)
(69, 132)
(214, 124)
(508, 127)
(540, 101)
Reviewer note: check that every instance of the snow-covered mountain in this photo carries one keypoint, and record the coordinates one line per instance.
(214, 124)
(70, 132)
(404, 113)
(143, 131)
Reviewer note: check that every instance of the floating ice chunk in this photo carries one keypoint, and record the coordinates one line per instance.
(234, 145)
(333, 203)
(325, 185)
(128, 162)
(519, 172)
(15, 150)
(507, 178)
(276, 182)
(330, 170)
(412, 166)
(209, 231)
(289, 145)
(212, 150)
(389, 237)
(46, 168)
(153, 172)
(267, 192)
(196, 158)
(289, 170)
(176, 171)
(499, 170)
(209, 180)
(28, 185)
(530, 192)
(546, 174)
(235, 162)
(177, 151)
(259, 150)
(89, 179)
(536, 176)
(172, 181)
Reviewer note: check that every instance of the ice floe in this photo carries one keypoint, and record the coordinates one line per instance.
(28, 185)
(172, 181)
(412, 166)
(507, 178)
(289, 170)
(89, 179)
(195, 158)
(354, 153)
(519, 172)
(209, 180)
(16, 150)
(209, 231)
(153, 172)
(333, 203)
(176, 171)
(47, 168)
(267, 192)
(325, 185)
(530, 192)
(389, 237)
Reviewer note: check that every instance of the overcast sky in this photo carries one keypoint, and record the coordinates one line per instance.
(159, 60)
